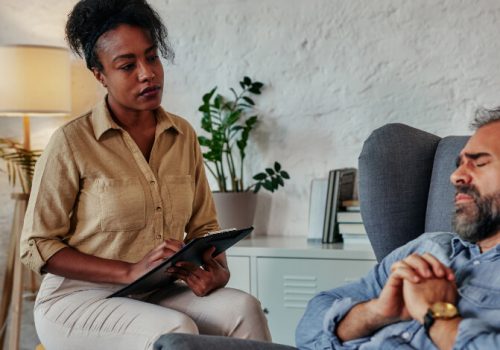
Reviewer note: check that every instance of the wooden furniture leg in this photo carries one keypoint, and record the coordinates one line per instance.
(7, 290)
(13, 289)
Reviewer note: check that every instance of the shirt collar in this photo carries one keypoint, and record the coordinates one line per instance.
(165, 121)
(102, 120)
(458, 244)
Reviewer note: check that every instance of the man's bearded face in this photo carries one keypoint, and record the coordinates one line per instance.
(478, 219)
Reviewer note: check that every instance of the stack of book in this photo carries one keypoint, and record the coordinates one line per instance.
(351, 226)
(341, 185)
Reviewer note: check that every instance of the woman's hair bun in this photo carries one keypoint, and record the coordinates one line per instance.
(89, 19)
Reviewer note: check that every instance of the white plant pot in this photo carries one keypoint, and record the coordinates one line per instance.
(235, 209)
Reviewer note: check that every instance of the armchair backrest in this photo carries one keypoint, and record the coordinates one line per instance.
(404, 184)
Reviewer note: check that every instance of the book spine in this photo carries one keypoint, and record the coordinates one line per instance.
(328, 206)
(333, 228)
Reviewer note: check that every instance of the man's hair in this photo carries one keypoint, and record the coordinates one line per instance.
(89, 19)
(484, 116)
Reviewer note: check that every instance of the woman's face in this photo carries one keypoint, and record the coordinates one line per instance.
(132, 71)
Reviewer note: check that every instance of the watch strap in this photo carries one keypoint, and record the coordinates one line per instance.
(428, 321)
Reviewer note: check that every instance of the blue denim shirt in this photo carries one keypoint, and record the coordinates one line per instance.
(478, 282)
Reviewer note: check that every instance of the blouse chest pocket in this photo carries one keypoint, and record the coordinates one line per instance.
(481, 296)
(122, 204)
(178, 191)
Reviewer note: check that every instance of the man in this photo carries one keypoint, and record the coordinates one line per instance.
(441, 290)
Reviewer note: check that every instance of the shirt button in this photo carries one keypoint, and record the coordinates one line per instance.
(406, 335)
(476, 262)
(158, 236)
(158, 208)
(152, 182)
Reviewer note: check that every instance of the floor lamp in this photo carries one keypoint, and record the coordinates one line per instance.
(35, 81)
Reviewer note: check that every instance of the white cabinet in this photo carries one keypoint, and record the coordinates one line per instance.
(239, 266)
(284, 273)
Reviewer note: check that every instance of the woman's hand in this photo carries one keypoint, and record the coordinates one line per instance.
(154, 258)
(202, 280)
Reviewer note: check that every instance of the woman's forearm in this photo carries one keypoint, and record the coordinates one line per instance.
(70, 263)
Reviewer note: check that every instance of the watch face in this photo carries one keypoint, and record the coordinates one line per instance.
(444, 310)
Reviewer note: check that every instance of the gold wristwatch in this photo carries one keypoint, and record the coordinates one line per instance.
(439, 311)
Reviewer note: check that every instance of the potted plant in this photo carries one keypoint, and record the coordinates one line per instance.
(228, 123)
(19, 163)
(19, 166)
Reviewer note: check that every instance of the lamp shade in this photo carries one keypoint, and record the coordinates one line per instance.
(34, 80)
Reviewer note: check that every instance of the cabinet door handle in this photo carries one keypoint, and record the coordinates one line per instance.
(265, 310)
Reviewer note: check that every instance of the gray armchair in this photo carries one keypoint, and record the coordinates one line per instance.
(180, 341)
(404, 184)
(405, 190)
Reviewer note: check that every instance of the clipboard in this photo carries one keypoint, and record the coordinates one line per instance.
(192, 252)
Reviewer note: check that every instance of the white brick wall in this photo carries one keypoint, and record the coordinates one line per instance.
(334, 70)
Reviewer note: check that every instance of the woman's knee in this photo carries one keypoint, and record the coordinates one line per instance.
(246, 304)
(184, 324)
(249, 321)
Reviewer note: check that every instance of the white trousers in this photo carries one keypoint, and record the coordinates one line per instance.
(71, 314)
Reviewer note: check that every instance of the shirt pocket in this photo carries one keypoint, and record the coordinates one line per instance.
(481, 296)
(179, 189)
(123, 204)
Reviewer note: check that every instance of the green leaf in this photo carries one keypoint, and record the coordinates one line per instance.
(245, 106)
(254, 91)
(260, 176)
(249, 100)
(284, 174)
(268, 186)
(277, 167)
(251, 121)
(270, 171)
(241, 144)
(257, 85)
(232, 118)
(208, 96)
(247, 81)
(276, 182)
(218, 101)
(205, 108)
(203, 141)
(237, 128)
(280, 181)
(257, 188)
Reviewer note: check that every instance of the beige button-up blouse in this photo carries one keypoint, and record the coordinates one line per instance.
(93, 190)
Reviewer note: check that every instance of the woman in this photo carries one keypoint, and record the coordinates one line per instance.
(113, 195)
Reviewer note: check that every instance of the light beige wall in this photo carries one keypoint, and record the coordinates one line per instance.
(334, 70)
